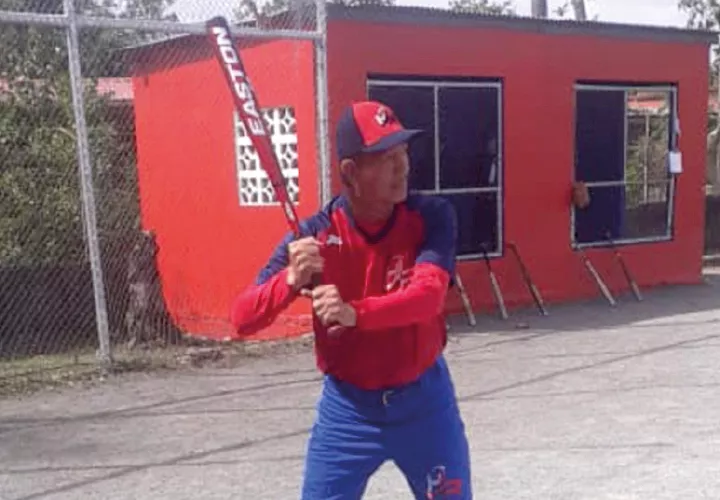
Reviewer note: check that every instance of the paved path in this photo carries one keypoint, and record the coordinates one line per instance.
(589, 403)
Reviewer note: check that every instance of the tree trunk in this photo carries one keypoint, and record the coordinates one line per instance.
(579, 8)
(539, 8)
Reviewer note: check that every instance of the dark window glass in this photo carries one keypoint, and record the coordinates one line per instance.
(414, 106)
(468, 132)
(477, 221)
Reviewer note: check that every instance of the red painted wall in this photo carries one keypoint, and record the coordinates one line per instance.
(210, 247)
(539, 72)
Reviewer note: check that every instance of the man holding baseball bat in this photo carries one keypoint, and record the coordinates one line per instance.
(386, 260)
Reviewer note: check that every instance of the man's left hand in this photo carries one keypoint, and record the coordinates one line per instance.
(330, 307)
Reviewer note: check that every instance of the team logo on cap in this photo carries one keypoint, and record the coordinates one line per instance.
(381, 116)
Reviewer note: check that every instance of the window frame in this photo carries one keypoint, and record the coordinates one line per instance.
(436, 83)
(672, 90)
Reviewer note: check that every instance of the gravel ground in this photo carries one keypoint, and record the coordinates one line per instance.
(588, 403)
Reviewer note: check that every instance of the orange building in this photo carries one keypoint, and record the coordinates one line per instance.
(516, 110)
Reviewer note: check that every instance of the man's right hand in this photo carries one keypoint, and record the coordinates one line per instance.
(304, 261)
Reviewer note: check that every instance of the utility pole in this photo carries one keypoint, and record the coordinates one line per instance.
(579, 9)
(539, 8)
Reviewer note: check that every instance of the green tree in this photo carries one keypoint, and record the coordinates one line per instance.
(260, 11)
(497, 7)
(705, 14)
(40, 207)
(250, 10)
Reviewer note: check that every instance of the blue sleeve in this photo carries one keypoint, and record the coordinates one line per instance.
(279, 258)
(439, 245)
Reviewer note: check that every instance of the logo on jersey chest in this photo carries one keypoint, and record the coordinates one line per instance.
(333, 239)
(397, 275)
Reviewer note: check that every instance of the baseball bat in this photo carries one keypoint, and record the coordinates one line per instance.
(494, 284)
(626, 271)
(465, 300)
(248, 109)
(596, 276)
(528, 280)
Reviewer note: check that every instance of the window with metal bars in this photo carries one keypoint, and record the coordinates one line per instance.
(460, 155)
(623, 135)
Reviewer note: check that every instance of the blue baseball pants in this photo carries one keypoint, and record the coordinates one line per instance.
(417, 426)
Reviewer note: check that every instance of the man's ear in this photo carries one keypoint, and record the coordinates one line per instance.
(347, 172)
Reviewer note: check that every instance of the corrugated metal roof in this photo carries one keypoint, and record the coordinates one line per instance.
(160, 40)
(157, 41)
(437, 16)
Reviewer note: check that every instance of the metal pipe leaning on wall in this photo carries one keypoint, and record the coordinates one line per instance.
(465, 300)
(596, 276)
(532, 288)
(625, 269)
(497, 293)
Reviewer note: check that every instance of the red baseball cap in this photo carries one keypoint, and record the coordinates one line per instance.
(369, 127)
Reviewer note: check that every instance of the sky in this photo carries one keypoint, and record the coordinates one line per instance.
(654, 12)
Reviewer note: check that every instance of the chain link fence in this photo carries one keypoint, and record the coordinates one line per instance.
(112, 119)
(712, 191)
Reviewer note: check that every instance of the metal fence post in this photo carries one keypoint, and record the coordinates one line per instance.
(86, 184)
(321, 83)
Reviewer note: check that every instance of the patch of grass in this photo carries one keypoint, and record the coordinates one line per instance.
(24, 376)
(40, 363)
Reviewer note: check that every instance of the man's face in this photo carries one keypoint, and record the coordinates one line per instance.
(382, 177)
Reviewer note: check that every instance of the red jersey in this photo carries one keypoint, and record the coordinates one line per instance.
(396, 276)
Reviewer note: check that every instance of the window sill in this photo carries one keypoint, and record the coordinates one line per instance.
(477, 256)
(622, 242)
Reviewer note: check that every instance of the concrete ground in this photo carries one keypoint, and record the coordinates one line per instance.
(589, 403)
